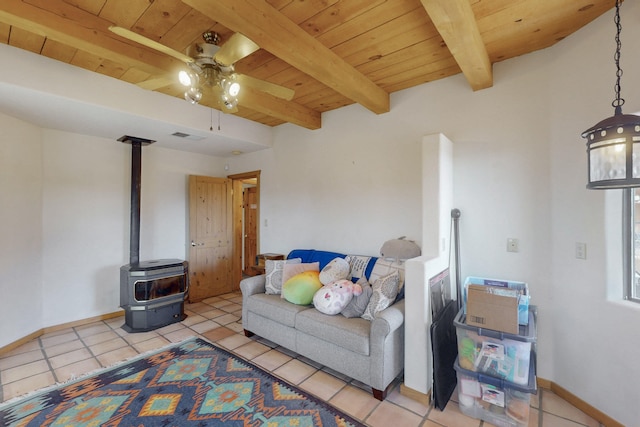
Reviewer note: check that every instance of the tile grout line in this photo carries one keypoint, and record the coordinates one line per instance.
(89, 348)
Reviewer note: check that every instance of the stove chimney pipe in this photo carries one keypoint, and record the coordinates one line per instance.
(136, 179)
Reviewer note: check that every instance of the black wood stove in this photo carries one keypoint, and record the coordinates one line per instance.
(152, 293)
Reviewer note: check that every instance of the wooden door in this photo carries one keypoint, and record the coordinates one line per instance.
(210, 235)
(250, 205)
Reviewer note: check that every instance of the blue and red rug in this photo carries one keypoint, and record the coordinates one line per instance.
(193, 383)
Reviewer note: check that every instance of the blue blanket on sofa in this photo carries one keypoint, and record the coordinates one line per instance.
(325, 257)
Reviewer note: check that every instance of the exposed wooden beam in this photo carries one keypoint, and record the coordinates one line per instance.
(60, 21)
(277, 34)
(279, 108)
(457, 25)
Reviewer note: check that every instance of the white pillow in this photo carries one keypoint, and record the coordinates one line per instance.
(273, 274)
(337, 269)
(385, 290)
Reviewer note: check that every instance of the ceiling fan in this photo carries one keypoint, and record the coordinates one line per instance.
(210, 67)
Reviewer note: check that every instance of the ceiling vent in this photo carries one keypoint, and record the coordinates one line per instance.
(188, 136)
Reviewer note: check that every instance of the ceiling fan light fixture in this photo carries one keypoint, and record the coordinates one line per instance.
(230, 86)
(613, 145)
(229, 102)
(188, 78)
(193, 95)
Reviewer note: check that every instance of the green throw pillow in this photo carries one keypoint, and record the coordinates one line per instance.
(300, 288)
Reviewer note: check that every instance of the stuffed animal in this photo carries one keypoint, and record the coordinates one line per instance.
(400, 249)
(334, 297)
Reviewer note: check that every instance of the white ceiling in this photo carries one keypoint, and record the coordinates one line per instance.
(54, 95)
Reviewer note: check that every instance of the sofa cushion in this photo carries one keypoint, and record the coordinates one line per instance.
(351, 334)
(275, 308)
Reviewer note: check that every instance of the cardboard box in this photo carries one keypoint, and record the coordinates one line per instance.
(521, 287)
(489, 307)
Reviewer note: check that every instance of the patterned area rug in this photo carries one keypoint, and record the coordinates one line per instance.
(192, 383)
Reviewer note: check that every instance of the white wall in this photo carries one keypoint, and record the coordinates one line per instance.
(20, 229)
(338, 188)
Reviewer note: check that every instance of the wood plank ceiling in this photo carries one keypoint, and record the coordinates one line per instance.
(332, 53)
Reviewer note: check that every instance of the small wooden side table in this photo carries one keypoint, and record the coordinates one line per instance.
(260, 263)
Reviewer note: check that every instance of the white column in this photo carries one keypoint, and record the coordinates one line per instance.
(437, 202)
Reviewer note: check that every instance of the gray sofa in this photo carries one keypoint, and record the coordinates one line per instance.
(371, 352)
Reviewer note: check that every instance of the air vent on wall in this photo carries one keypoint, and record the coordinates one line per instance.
(187, 136)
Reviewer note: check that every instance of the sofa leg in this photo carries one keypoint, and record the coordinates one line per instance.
(379, 394)
(248, 334)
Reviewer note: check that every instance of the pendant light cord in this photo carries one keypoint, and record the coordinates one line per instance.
(618, 102)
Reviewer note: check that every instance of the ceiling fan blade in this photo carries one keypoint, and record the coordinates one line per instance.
(130, 35)
(155, 83)
(234, 49)
(267, 87)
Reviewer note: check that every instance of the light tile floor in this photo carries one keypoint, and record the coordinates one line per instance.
(68, 353)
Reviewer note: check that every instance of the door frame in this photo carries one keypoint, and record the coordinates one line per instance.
(236, 214)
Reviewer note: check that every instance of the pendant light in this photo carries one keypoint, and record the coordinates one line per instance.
(613, 145)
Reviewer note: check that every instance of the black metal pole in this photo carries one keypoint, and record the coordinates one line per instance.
(134, 226)
(136, 179)
(455, 217)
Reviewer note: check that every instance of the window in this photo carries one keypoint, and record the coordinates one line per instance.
(632, 245)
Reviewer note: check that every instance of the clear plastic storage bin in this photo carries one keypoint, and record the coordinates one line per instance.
(493, 400)
(499, 354)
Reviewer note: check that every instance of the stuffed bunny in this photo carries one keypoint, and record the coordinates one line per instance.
(332, 298)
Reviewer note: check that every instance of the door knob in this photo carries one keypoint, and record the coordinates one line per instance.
(193, 243)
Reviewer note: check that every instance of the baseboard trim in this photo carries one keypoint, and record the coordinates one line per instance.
(12, 346)
(416, 395)
(594, 413)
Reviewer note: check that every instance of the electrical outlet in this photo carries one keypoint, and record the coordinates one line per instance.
(512, 244)
(581, 250)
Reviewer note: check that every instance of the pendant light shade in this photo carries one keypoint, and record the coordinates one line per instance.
(613, 148)
(613, 145)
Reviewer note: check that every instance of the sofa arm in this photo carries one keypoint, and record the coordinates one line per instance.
(388, 320)
(387, 346)
(250, 286)
(253, 285)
